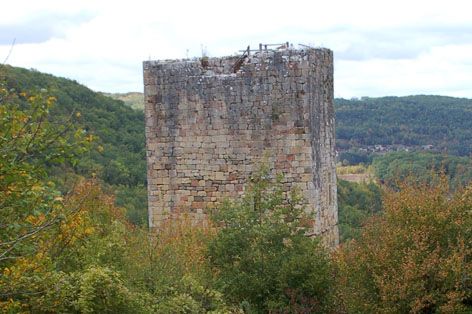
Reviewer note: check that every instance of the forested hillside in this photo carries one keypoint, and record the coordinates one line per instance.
(443, 122)
(118, 156)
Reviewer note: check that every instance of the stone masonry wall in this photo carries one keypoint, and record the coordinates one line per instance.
(208, 129)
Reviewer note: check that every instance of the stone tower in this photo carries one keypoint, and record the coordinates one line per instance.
(210, 122)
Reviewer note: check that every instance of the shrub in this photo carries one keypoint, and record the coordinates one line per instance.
(416, 257)
(262, 257)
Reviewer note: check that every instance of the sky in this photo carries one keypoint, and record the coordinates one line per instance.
(381, 48)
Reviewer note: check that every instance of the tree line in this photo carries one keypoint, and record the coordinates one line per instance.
(443, 122)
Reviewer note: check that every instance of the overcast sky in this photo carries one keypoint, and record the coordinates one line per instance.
(380, 47)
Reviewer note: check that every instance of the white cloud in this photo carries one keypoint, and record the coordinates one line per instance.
(443, 71)
(381, 48)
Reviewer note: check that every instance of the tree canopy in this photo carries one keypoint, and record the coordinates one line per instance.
(444, 122)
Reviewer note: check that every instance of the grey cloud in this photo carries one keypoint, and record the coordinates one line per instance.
(397, 43)
(41, 28)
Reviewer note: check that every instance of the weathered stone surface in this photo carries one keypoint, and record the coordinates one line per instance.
(207, 129)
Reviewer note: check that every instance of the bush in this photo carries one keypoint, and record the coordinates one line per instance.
(262, 257)
(356, 203)
(195, 298)
(416, 257)
(102, 291)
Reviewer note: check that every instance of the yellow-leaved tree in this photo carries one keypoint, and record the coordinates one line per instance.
(31, 207)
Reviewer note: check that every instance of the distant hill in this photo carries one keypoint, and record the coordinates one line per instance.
(120, 161)
(134, 100)
(436, 123)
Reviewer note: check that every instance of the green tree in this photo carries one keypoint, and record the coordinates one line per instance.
(356, 203)
(262, 256)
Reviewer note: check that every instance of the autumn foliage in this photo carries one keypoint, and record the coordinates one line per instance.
(415, 258)
(70, 249)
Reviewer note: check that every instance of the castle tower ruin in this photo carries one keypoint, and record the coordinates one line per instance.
(210, 122)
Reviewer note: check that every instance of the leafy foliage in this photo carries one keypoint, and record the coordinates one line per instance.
(118, 157)
(29, 142)
(444, 122)
(262, 256)
(356, 202)
(78, 265)
(415, 258)
(172, 267)
(133, 198)
(395, 167)
(55, 248)
(94, 261)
